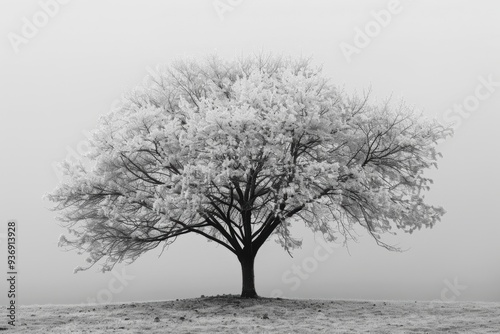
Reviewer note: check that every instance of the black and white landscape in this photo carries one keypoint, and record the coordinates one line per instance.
(229, 166)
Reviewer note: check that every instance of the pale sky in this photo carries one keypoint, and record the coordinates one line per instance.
(440, 56)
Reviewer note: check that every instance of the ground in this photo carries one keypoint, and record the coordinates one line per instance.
(231, 314)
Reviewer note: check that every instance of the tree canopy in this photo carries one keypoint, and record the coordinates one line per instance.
(240, 151)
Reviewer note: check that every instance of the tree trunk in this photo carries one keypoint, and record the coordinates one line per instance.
(248, 289)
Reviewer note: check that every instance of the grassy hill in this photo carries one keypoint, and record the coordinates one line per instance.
(231, 314)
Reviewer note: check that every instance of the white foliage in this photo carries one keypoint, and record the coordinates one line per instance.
(198, 133)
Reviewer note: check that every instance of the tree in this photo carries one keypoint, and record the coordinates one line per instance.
(238, 152)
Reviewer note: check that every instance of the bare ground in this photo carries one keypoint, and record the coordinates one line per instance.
(231, 314)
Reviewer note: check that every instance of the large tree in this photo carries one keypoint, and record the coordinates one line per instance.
(239, 152)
